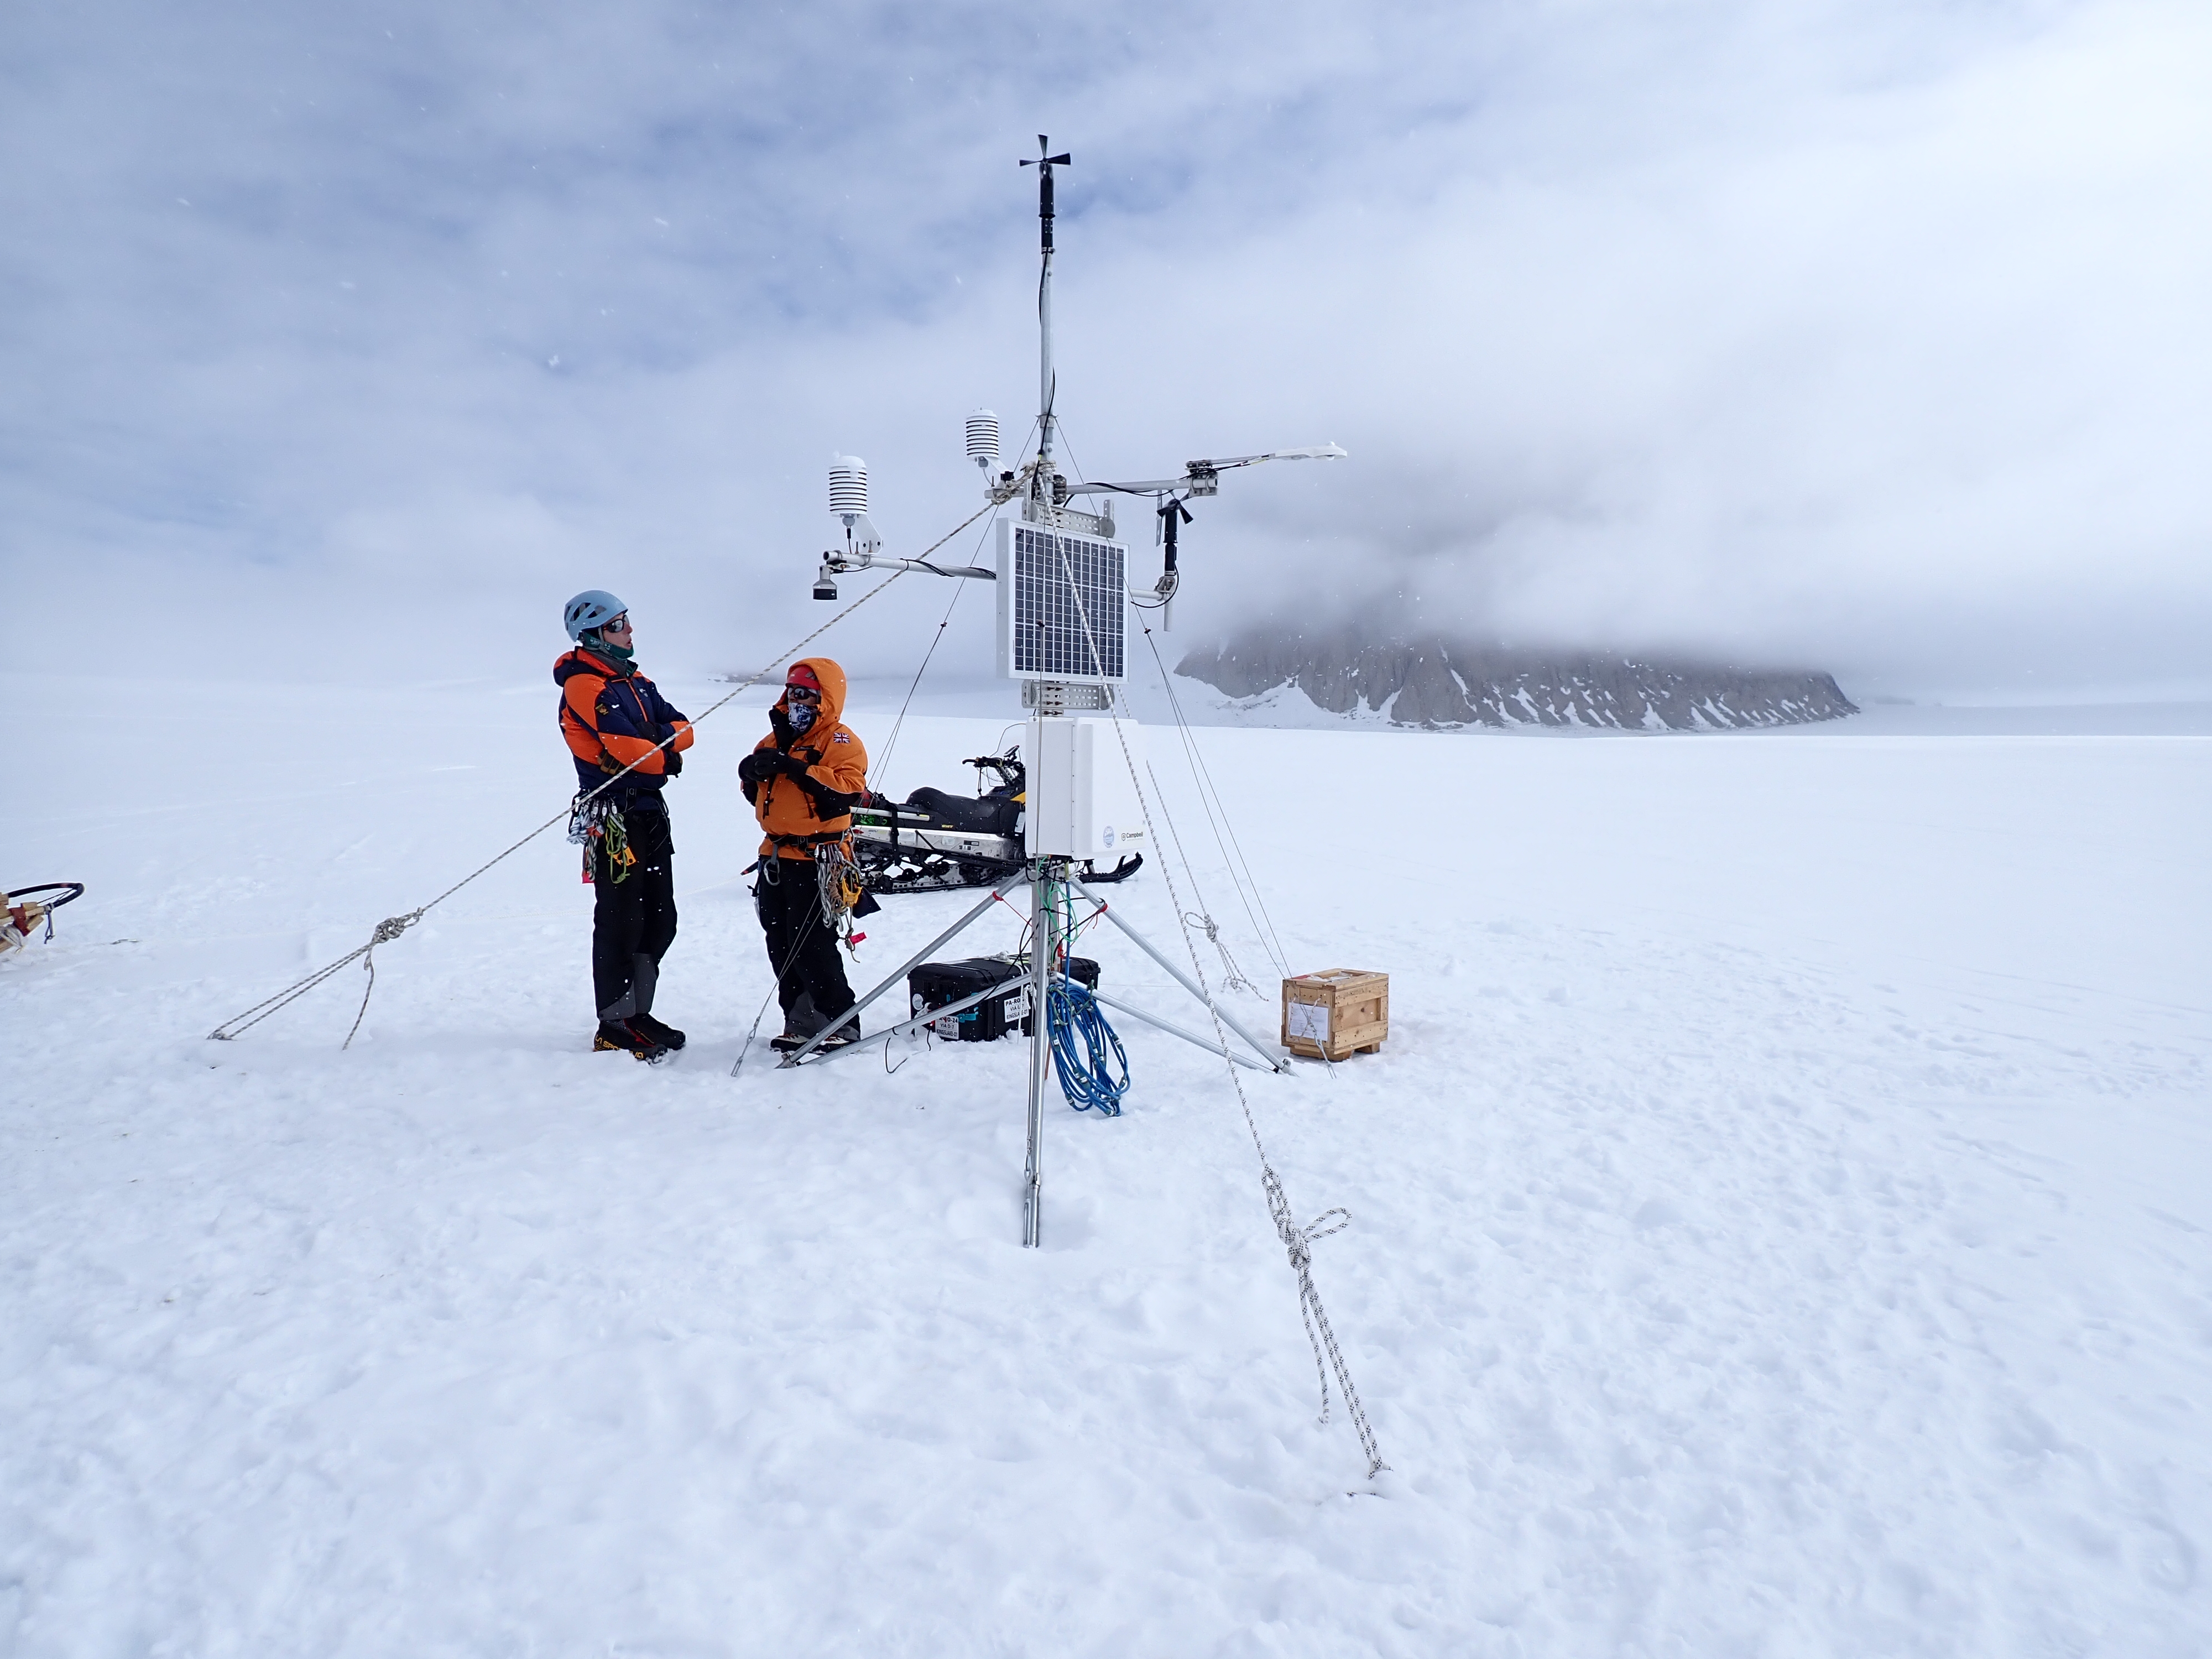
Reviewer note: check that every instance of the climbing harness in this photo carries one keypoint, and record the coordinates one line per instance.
(837, 874)
(392, 926)
(595, 824)
(1298, 1241)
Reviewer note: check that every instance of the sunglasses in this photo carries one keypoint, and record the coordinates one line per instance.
(619, 625)
(803, 692)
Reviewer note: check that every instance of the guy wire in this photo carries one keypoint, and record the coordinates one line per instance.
(1203, 777)
(1298, 1241)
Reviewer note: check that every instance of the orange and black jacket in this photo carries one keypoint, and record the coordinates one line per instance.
(612, 716)
(812, 800)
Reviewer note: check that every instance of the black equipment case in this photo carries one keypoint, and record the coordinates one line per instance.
(935, 984)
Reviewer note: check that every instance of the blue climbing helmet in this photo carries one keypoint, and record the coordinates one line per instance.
(589, 609)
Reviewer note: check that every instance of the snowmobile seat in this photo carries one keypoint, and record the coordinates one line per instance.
(991, 815)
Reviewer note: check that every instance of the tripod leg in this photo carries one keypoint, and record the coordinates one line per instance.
(1268, 1052)
(912, 962)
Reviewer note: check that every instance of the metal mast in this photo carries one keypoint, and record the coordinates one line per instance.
(1051, 704)
(1047, 385)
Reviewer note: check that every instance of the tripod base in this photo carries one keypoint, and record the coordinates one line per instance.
(1041, 875)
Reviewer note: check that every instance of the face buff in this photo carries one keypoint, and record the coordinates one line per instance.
(802, 715)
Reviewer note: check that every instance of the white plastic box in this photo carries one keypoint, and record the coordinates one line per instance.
(1082, 803)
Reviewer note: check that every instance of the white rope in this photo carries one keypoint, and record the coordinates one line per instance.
(392, 926)
(1297, 1241)
(1232, 979)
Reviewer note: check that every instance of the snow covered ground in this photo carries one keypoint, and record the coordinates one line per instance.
(1783, 1217)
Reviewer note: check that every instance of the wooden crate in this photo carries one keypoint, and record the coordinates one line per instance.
(1331, 1015)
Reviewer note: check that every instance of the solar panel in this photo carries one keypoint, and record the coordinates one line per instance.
(1063, 601)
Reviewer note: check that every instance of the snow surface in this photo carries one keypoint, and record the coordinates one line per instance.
(1781, 1217)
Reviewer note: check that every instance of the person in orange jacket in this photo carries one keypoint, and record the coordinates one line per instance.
(804, 780)
(613, 717)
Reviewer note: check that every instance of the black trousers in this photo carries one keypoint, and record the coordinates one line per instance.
(802, 945)
(633, 919)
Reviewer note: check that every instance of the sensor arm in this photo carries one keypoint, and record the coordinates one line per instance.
(1200, 476)
(843, 563)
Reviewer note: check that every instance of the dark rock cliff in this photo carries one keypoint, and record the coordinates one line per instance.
(1441, 682)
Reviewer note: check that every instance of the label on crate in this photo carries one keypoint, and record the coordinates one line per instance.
(1016, 1006)
(1310, 1020)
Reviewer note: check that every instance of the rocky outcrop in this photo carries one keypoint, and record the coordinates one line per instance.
(1439, 683)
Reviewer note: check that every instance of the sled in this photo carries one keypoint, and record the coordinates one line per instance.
(23, 915)
(934, 840)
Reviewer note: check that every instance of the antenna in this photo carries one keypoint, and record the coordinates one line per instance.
(1048, 382)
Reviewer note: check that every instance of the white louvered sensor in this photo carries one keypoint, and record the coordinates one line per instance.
(848, 487)
(983, 439)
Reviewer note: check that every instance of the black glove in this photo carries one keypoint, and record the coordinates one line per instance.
(794, 767)
(671, 762)
(760, 766)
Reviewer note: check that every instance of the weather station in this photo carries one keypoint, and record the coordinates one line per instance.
(1072, 812)
(1074, 800)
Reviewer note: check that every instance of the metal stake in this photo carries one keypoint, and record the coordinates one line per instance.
(1043, 951)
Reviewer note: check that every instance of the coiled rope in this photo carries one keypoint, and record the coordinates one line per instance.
(392, 926)
(1089, 1079)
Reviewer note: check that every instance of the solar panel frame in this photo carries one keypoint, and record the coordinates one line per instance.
(1041, 632)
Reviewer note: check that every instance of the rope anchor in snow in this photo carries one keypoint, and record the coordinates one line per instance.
(1234, 979)
(386, 931)
(1297, 1244)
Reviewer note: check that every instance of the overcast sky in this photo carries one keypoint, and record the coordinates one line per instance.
(1864, 336)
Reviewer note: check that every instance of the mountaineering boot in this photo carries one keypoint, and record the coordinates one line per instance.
(624, 1034)
(800, 1022)
(848, 1033)
(667, 1035)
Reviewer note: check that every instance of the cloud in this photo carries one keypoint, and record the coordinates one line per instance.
(1865, 337)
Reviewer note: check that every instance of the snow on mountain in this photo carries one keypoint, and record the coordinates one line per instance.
(1436, 682)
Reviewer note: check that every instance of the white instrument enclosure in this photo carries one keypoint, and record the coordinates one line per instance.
(1083, 803)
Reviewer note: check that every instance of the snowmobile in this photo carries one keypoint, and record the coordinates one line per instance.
(22, 916)
(931, 840)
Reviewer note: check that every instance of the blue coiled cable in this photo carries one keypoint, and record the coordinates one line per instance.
(1087, 1080)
